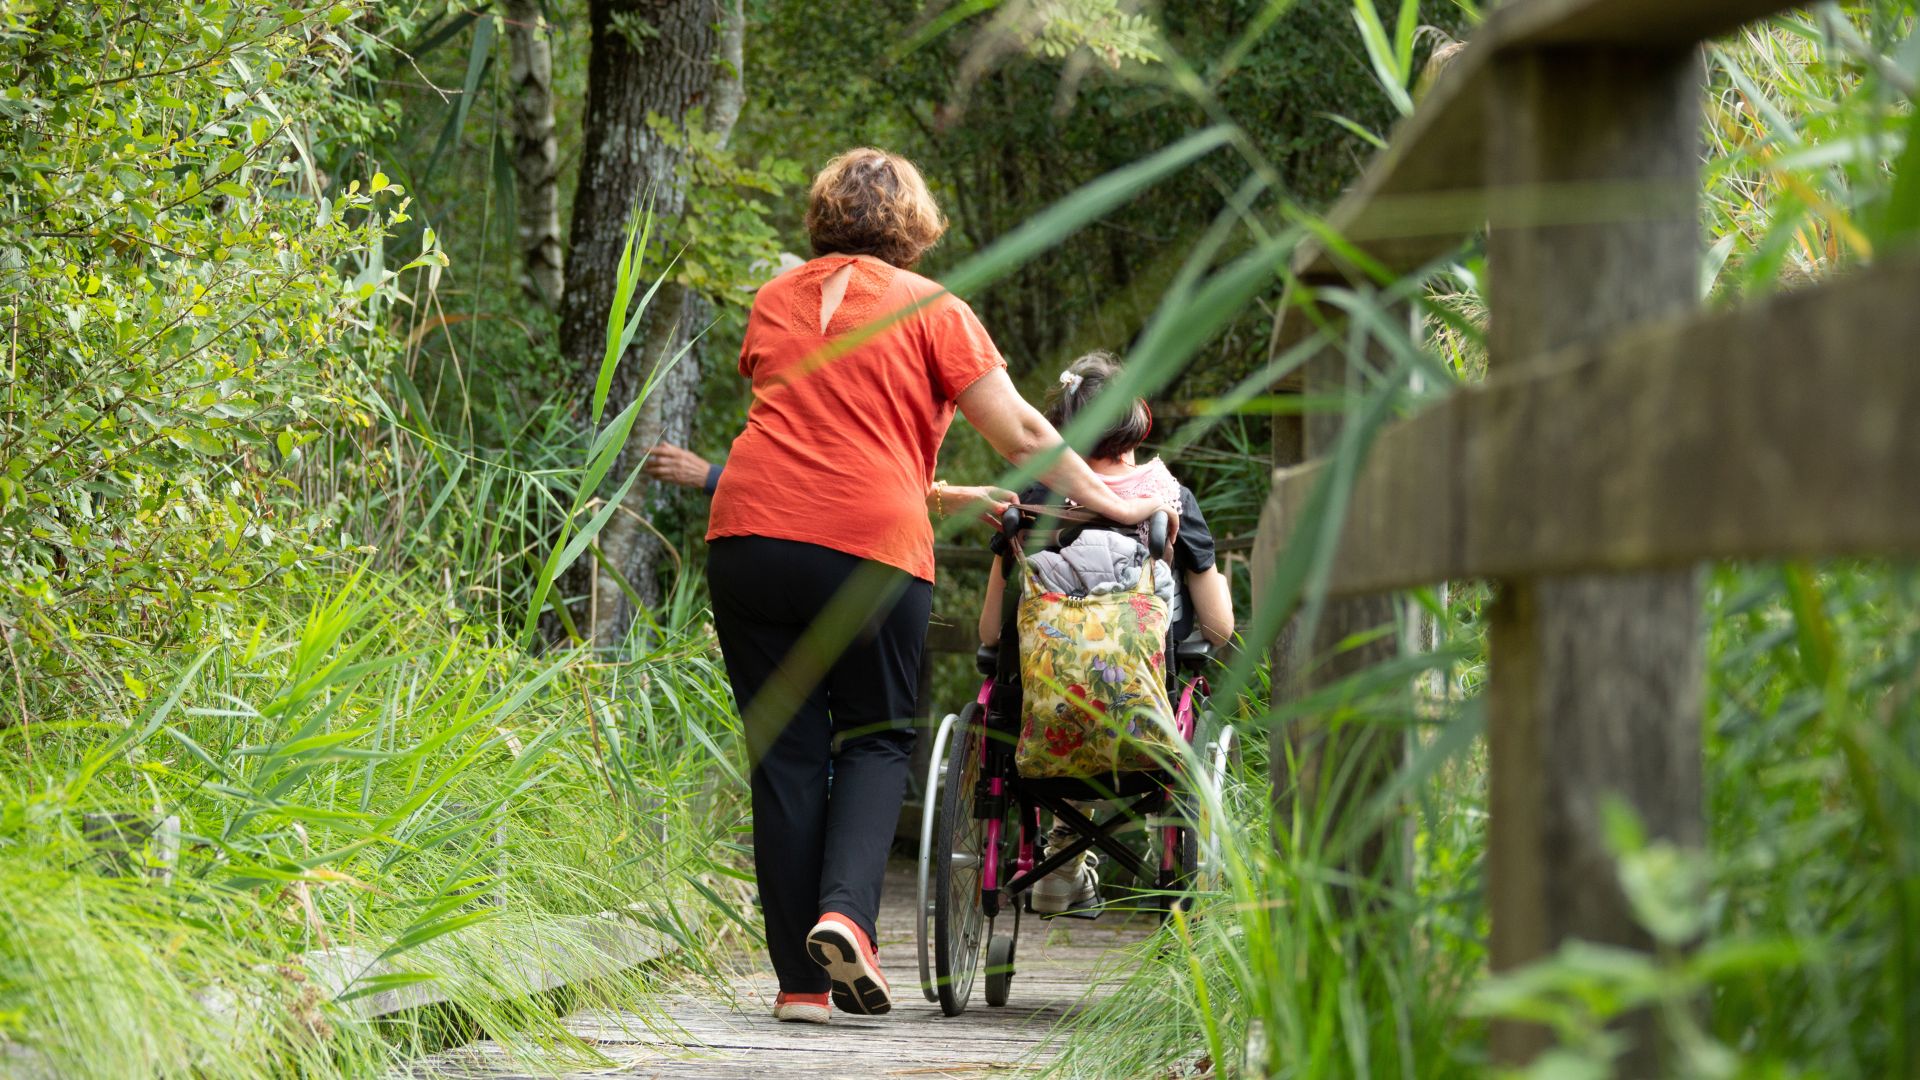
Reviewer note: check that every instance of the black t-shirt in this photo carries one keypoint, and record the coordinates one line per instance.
(1192, 549)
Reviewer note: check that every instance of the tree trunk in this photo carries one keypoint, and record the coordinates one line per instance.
(536, 154)
(650, 57)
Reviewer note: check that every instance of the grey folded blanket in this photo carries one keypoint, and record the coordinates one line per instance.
(1102, 561)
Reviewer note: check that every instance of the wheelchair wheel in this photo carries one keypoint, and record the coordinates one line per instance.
(926, 879)
(960, 926)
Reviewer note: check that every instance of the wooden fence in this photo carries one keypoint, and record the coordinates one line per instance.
(1621, 438)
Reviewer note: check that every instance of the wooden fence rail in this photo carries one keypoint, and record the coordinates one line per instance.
(1619, 440)
(1566, 466)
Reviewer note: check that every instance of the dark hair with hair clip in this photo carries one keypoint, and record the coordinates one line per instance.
(1083, 381)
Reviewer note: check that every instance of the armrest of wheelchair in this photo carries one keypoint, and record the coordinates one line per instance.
(987, 659)
(1193, 654)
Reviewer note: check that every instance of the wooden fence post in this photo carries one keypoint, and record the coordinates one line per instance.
(1289, 449)
(1594, 688)
(1322, 769)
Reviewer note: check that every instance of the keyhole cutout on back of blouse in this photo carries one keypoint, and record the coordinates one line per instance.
(832, 291)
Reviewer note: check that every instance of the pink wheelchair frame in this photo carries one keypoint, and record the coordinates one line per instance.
(972, 786)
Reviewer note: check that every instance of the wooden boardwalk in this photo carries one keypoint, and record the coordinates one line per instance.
(1061, 965)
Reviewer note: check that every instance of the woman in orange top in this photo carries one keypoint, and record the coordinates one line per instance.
(820, 560)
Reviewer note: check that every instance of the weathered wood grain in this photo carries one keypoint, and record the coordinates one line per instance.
(1783, 429)
(727, 1031)
(1428, 192)
(1593, 689)
(570, 949)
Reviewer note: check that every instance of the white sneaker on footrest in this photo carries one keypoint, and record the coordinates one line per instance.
(1075, 884)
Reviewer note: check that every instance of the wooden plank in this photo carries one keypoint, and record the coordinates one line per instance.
(1234, 545)
(967, 555)
(569, 949)
(1593, 690)
(1791, 438)
(953, 636)
(1427, 192)
(703, 1033)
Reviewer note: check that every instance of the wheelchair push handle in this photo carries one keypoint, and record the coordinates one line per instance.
(1160, 527)
(1160, 534)
(1011, 519)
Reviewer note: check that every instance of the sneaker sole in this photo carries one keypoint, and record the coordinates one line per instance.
(802, 1014)
(857, 987)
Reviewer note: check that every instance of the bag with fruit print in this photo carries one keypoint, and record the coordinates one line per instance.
(1094, 682)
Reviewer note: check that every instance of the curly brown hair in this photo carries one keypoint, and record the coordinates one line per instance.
(870, 202)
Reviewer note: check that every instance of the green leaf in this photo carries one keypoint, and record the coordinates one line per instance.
(1901, 223)
(477, 59)
(392, 980)
(1380, 50)
(1404, 33)
(621, 328)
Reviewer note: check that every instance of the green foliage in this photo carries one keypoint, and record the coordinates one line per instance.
(1059, 28)
(359, 770)
(251, 585)
(224, 390)
(725, 241)
(1807, 121)
(1797, 928)
(179, 326)
(1391, 55)
(1290, 967)
(1002, 134)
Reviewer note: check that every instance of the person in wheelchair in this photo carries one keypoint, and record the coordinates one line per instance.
(1097, 561)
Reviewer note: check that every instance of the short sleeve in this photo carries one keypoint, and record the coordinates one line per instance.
(962, 351)
(1193, 544)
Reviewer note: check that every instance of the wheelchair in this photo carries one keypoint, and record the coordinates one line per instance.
(981, 821)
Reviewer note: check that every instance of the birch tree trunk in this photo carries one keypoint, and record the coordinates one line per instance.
(665, 58)
(536, 153)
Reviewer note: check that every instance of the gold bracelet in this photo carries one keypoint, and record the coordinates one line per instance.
(939, 503)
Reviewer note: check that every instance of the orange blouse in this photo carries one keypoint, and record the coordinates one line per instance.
(843, 434)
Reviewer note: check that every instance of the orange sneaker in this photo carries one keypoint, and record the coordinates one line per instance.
(840, 946)
(804, 1008)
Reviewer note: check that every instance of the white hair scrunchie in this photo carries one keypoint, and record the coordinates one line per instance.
(1071, 381)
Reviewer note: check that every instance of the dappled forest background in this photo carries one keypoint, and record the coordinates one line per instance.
(336, 615)
(1001, 130)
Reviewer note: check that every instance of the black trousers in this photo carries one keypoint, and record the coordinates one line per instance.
(819, 644)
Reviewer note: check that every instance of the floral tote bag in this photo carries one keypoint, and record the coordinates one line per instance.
(1093, 676)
